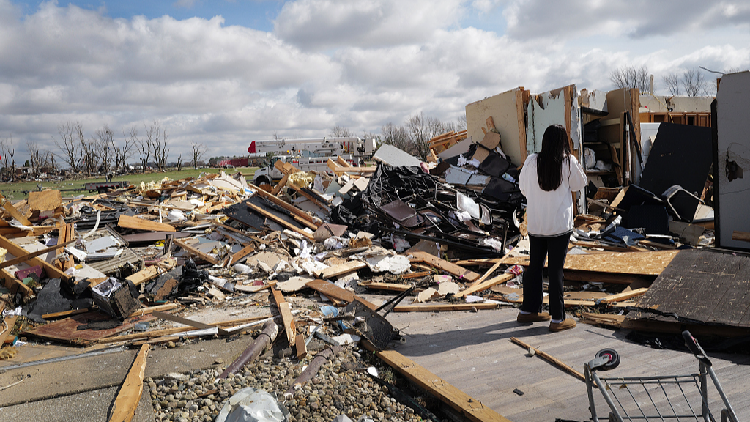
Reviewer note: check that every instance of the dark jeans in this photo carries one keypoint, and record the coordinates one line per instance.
(540, 247)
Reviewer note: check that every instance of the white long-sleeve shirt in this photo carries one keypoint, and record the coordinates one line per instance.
(550, 213)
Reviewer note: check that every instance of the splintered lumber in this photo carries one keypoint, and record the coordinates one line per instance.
(312, 199)
(16, 250)
(247, 250)
(151, 272)
(639, 263)
(387, 286)
(280, 221)
(312, 222)
(62, 314)
(339, 169)
(130, 392)
(461, 402)
(605, 320)
(551, 359)
(192, 251)
(415, 275)
(333, 291)
(29, 255)
(130, 222)
(341, 269)
(186, 321)
(743, 236)
(444, 265)
(286, 315)
(299, 344)
(623, 296)
(488, 273)
(280, 185)
(148, 310)
(502, 278)
(65, 233)
(14, 212)
(434, 307)
(266, 337)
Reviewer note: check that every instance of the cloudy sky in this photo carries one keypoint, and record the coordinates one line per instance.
(225, 72)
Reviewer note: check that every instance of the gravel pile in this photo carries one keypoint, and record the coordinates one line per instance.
(341, 387)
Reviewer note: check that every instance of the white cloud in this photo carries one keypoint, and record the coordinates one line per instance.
(320, 24)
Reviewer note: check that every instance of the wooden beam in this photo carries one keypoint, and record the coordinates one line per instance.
(444, 265)
(14, 212)
(415, 275)
(309, 220)
(333, 291)
(639, 263)
(247, 250)
(286, 315)
(341, 269)
(387, 286)
(461, 402)
(502, 278)
(16, 250)
(65, 313)
(14, 284)
(299, 344)
(435, 307)
(623, 296)
(186, 321)
(130, 392)
(280, 221)
(743, 236)
(130, 222)
(151, 272)
(551, 359)
(191, 250)
(486, 274)
(280, 185)
(29, 255)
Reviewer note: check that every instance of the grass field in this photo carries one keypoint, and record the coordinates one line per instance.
(69, 188)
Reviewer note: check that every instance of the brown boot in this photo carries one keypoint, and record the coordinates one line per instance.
(536, 317)
(566, 324)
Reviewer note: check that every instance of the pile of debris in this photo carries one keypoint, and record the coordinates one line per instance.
(144, 265)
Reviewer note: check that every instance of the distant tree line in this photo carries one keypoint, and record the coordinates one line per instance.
(691, 83)
(414, 136)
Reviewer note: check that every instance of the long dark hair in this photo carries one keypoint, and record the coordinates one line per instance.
(555, 151)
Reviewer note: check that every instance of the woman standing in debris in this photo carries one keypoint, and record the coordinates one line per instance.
(547, 180)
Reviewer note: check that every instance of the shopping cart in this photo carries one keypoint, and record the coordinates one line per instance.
(662, 398)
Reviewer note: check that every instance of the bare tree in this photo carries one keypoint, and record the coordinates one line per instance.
(104, 143)
(461, 123)
(396, 136)
(694, 83)
(672, 81)
(87, 150)
(341, 132)
(631, 77)
(6, 154)
(198, 151)
(162, 157)
(34, 157)
(69, 144)
(179, 163)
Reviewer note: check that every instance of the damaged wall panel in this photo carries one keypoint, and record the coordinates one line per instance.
(507, 112)
(732, 188)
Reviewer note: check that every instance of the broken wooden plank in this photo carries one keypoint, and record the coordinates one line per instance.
(186, 321)
(299, 344)
(461, 402)
(61, 314)
(743, 236)
(415, 275)
(605, 320)
(312, 199)
(387, 286)
(130, 222)
(193, 251)
(502, 278)
(151, 272)
(623, 296)
(286, 315)
(29, 255)
(16, 250)
(435, 307)
(549, 358)
(149, 309)
(333, 291)
(639, 263)
(247, 250)
(131, 390)
(14, 212)
(313, 222)
(341, 269)
(444, 265)
(280, 185)
(280, 221)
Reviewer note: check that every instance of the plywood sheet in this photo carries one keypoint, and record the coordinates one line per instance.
(703, 285)
(640, 263)
(504, 112)
(45, 200)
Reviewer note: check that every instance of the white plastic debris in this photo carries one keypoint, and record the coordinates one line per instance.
(242, 269)
(251, 405)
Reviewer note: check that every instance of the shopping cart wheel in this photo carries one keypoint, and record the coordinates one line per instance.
(612, 359)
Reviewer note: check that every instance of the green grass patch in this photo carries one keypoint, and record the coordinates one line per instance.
(70, 188)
